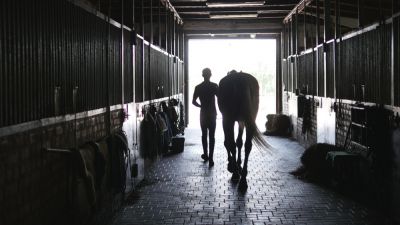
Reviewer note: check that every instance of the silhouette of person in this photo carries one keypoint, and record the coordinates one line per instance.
(206, 92)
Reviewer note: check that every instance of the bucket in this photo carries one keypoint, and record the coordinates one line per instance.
(178, 144)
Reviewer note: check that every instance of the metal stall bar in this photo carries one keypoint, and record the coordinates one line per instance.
(122, 46)
(296, 65)
(159, 23)
(316, 45)
(143, 51)
(305, 26)
(151, 41)
(361, 13)
(3, 83)
(392, 56)
(107, 58)
(327, 36)
(336, 47)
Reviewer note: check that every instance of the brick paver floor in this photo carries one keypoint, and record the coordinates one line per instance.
(181, 189)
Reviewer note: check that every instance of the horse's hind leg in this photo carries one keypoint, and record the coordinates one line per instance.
(239, 144)
(230, 146)
(247, 149)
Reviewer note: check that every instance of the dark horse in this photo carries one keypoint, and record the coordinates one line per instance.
(238, 100)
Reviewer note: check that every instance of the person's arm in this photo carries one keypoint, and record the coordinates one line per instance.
(195, 96)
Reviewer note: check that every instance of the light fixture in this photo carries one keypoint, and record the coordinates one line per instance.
(253, 35)
(234, 3)
(230, 16)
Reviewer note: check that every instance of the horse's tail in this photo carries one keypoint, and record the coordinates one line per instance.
(258, 139)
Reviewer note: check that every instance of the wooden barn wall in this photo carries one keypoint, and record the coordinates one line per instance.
(360, 67)
(70, 75)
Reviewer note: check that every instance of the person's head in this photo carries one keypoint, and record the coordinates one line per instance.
(206, 73)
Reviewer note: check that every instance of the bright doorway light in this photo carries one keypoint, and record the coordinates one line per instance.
(253, 56)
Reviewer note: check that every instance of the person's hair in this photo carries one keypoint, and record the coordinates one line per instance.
(206, 73)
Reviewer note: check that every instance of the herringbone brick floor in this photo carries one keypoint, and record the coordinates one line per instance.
(181, 189)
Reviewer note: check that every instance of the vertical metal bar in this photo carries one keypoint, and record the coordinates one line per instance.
(174, 34)
(291, 37)
(17, 24)
(133, 61)
(122, 55)
(360, 13)
(18, 81)
(296, 46)
(50, 90)
(67, 59)
(178, 39)
(186, 67)
(278, 84)
(327, 36)
(108, 43)
(151, 22)
(318, 25)
(168, 45)
(159, 23)
(90, 72)
(297, 32)
(6, 23)
(166, 29)
(305, 26)
(335, 47)
(327, 20)
(287, 40)
(2, 64)
(34, 75)
(392, 56)
(12, 27)
(142, 55)
(149, 53)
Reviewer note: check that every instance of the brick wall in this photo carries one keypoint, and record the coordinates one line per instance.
(310, 136)
(33, 182)
(343, 118)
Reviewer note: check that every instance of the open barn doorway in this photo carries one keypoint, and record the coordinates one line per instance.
(253, 56)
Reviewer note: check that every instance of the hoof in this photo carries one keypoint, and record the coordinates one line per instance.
(243, 184)
(204, 157)
(235, 177)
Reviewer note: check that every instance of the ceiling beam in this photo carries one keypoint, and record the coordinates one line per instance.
(237, 9)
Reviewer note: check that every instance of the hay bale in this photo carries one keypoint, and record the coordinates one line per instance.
(315, 166)
(277, 125)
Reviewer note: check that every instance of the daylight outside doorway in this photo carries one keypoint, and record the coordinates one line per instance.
(254, 56)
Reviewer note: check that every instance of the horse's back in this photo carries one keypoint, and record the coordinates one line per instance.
(238, 95)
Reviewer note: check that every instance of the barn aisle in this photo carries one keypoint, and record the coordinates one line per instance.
(181, 189)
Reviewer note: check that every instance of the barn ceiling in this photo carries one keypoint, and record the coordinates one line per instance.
(266, 17)
(233, 9)
(233, 16)
(250, 16)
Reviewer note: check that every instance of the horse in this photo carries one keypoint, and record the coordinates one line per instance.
(238, 100)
